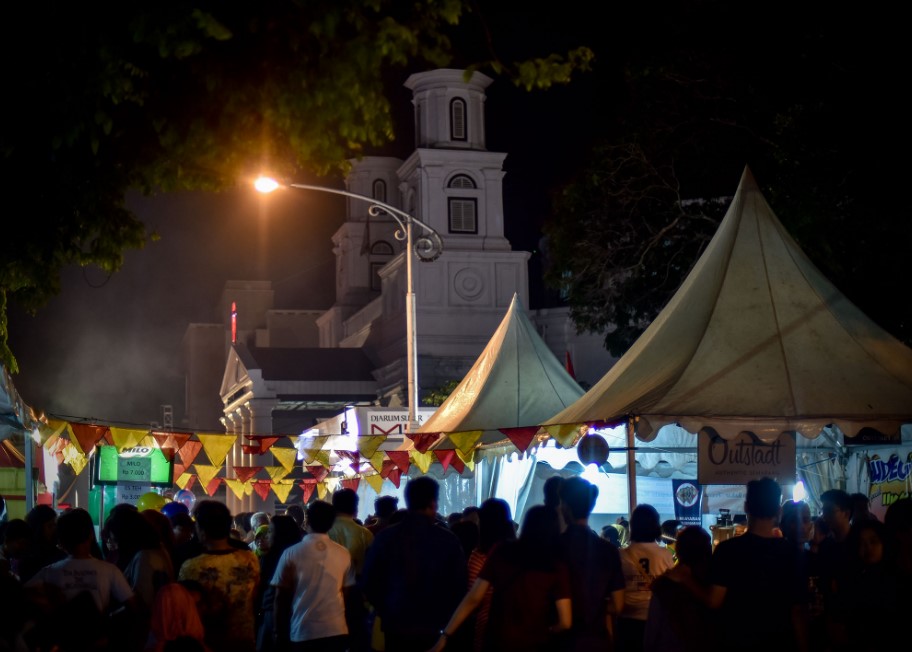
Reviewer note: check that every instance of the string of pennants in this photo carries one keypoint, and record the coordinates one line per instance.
(72, 443)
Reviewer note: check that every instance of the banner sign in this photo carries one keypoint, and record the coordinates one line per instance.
(890, 472)
(688, 501)
(745, 458)
(392, 422)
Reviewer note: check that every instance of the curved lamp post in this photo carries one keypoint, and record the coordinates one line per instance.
(428, 245)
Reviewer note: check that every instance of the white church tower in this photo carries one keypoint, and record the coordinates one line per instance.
(453, 184)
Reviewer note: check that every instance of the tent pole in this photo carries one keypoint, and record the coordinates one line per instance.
(631, 465)
(29, 471)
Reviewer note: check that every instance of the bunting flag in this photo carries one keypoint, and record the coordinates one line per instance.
(179, 470)
(75, 458)
(375, 481)
(217, 446)
(444, 456)
(522, 436)
(281, 488)
(468, 459)
(308, 489)
(351, 483)
(332, 484)
(294, 440)
(465, 441)
(264, 442)
(423, 440)
(276, 472)
(169, 453)
(49, 430)
(125, 438)
(318, 472)
(369, 444)
(262, 488)
(244, 473)
(387, 468)
(206, 472)
(236, 486)
(84, 436)
(285, 456)
(189, 451)
(251, 449)
(458, 464)
(565, 434)
(352, 456)
(191, 482)
(248, 487)
(321, 490)
(175, 440)
(106, 438)
(395, 476)
(212, 486)
(322, 457)
(376, 461)
(184, 479)
(400, 459)
(422, 460)
(148, 441)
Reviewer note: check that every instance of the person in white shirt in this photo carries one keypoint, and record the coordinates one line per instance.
(310, 582)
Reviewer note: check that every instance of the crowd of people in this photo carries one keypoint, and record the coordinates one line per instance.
(316, 578)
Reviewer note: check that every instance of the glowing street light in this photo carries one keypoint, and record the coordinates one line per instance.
(428, 246)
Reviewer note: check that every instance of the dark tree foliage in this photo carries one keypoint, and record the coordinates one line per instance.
(711, 87)
(103, 98)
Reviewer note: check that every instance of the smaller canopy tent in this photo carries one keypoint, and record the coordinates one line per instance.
(516, 382)
(756, 339)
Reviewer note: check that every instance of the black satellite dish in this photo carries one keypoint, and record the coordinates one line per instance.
(592, 449)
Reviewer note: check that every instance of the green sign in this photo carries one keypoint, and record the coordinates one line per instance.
(139, 465)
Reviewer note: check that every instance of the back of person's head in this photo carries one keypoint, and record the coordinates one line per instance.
(645, 525)
(384, 506)
(837, 498)
(320, 516)
(15, 533)
(610, 532)
(131, 532)
(898, 517)
(694, 547)
(552, 491)
(670, 530)
(421, 493)
(161, 524)
(74, 528)
(297, 513)
(283, 533)
(539, 535)
(242, 522)
(38, 518)
(578, 496)
(213, 519)
(861, 506)
(345, 501)
(181, 519)
(763, 498)
(471, 513)
(495, 523)
(468, 533)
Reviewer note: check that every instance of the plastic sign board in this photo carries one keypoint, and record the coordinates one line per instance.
(744, 458)
(143, 466)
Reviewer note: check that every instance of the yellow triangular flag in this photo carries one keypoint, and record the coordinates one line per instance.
(321, 490)
(285, 456)
(376, 461)
(50, 430)
(248, 487)
(236, 486)
(367, 446)
(322, 457)
(276, 472)
(375, 480)
(467, 458)
(308, 455)
(183, 480)
(333, 484)
(294, 440)
(148, 441)
(465, 441)
(565, 434)
(75, 458)
(422, 460)
(282, 488)
(125, 438)
(206, 473)
(217, 446)
(61, 427)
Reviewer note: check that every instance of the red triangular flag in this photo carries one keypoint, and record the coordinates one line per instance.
(189, 451)
(262, 487)
(318, 471)
(168, 453)
(445, 457)
(351, 483)
(457, 464)
(179, 470)
(213, 486)
(308, 489)
(190, 482)
(252, 449)
(423, 440)
(265, 442)
(521, 437)
(568, 365)
(86, 436)
(174, 440)
(244, 473)
(395, 476)
(400, 459)
(352, 456)
(387, 468)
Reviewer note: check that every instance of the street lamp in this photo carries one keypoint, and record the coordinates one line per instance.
(428, 246)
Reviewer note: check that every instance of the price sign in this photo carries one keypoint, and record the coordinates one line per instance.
(135, 469)
(129, 492)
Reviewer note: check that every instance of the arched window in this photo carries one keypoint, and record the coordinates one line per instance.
(379, 190)
(458, 128)
(461, 181)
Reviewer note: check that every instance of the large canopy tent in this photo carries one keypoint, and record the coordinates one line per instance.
(755, 340)
(515, 384)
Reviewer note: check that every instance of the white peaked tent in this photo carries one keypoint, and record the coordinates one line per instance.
(515, 382)
(757, 340)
